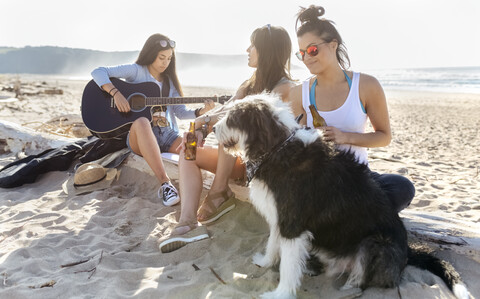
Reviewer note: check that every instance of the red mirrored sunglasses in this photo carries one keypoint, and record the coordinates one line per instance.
(311, 51)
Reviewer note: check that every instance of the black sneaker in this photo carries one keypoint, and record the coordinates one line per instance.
(169, 194)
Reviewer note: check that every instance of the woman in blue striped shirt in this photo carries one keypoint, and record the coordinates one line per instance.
(156, 63)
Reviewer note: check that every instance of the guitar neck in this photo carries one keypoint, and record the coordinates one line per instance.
(158, 101)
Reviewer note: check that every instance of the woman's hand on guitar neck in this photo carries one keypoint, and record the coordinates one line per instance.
(208, 105)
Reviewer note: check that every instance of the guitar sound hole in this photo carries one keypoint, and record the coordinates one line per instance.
(137, 102)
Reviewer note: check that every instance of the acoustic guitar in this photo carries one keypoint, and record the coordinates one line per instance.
(102, 117)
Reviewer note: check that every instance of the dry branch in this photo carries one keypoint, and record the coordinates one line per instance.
(217, 276)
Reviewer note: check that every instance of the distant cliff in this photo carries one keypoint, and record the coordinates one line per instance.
(69, 61)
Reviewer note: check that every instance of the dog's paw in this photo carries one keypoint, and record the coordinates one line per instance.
(262, 260)
(277, 295)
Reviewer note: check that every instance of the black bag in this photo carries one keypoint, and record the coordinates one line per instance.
(27, 170)
(102, 147)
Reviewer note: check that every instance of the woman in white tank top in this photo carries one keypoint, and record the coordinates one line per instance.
(344, 99)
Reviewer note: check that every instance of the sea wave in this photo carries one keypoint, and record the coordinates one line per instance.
(454, 79)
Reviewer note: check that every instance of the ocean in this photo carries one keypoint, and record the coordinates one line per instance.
(445, 79)
(448, 79)
(451, 79)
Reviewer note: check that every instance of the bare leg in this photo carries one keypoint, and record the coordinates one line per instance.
(191, 183)
(227, 167)
(143, 142)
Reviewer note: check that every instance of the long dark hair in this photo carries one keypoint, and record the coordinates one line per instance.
(310, 21)
(149, 53)
(274, 48)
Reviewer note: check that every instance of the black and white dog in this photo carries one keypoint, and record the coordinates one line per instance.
(319, 202)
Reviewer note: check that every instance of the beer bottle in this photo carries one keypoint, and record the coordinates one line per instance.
(318, 121)
(191, 143)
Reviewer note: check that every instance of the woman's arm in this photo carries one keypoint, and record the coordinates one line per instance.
(239, 94)
(375, 103)
(216, 114)
(284, 89)
(182, 112)
(101, 76)
(295, 100)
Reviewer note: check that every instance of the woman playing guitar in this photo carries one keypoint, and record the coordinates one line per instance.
(155, 63)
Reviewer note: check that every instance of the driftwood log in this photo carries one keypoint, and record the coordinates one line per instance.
(23, 141)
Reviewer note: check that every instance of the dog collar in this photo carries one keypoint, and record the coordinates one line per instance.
(253, 166)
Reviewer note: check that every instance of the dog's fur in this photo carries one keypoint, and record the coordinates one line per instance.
(320, 203)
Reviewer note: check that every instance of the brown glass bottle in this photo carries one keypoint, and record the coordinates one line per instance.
(191, 143)
(318, 121)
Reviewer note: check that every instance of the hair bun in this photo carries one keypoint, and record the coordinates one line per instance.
(310, 14)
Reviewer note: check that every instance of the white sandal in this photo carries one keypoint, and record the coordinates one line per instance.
(177, 241)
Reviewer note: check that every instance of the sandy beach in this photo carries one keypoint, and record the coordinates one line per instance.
(105, 244)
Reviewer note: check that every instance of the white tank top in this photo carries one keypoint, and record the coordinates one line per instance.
(350, 117)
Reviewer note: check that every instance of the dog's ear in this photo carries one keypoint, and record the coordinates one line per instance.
(261, 126)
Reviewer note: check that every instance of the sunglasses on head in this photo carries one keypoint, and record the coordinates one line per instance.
(164, 43)
(311, 51)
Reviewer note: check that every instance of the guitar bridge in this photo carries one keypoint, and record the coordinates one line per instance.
(112, 103)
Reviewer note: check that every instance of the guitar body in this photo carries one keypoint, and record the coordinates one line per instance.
(102, 117)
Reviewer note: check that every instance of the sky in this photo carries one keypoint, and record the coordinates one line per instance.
(379, 34)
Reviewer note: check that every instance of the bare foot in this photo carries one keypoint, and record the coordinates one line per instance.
(180, 230)
(184, 227)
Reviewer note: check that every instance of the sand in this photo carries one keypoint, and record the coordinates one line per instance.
(105, 244)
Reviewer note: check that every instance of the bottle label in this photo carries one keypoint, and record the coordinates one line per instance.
(191, 147)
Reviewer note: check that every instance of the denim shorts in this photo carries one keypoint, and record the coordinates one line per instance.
(165, 136)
